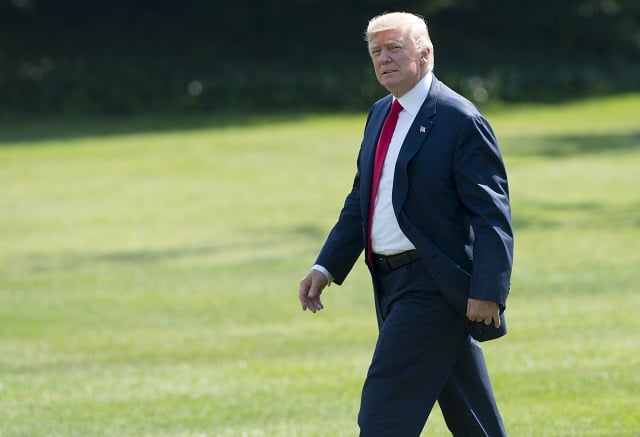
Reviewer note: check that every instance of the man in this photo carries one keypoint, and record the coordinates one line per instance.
(442, 180)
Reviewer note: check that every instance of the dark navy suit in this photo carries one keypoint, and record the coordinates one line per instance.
(450, 186)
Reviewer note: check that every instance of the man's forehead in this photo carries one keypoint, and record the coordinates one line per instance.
(387, 36)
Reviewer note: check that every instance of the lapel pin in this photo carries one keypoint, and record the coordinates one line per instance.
(423, 129)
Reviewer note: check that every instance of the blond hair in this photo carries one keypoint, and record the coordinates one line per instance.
(415, 24)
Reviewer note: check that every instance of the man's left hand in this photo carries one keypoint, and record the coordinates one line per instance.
(483, 311)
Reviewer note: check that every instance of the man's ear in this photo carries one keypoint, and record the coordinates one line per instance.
(424, 55)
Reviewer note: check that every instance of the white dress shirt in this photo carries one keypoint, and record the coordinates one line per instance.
(386, 236)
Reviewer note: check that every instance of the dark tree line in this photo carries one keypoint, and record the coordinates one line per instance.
(119, 56)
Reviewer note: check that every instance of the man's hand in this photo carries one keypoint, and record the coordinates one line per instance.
(311, 287)
(483, 311)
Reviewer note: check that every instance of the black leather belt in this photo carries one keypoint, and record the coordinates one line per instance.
(391, 262)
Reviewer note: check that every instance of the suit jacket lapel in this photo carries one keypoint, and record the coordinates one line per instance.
(415, 138)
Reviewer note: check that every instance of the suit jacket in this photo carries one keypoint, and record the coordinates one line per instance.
(450, 186)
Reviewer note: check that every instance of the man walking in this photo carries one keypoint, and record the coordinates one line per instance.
(429, 170)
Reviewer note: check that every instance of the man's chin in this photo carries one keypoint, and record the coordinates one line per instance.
(393, 87)
(389, 82)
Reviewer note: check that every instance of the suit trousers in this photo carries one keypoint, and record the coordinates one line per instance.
(424, 354)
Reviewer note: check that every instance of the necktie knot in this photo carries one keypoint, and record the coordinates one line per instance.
(396, 107)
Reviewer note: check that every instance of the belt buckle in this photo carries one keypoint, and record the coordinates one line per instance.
(387, 264)
(383, 263)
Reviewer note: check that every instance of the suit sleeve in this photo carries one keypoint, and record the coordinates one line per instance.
(345, 242)
(481, 183)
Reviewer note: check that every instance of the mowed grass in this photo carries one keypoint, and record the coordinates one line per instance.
(149, 271)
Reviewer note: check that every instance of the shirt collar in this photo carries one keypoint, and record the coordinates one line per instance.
(413, 100)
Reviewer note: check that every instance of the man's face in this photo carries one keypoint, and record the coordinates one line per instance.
(397, 63)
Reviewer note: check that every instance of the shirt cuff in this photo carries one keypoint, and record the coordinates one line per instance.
(324, 271)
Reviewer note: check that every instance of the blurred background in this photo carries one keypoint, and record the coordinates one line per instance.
(149, 56)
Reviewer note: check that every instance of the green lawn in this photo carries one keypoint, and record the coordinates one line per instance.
(149, 273)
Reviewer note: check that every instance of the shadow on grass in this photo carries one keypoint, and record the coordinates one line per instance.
(24, 131)
(253, 249)
(566, 145)
(264, 248)
(583, 215)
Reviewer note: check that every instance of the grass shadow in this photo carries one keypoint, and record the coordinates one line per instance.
(30, 131)
(567, 145)
(239, 251)
(586, 215)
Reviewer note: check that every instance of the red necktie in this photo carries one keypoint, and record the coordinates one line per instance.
(381, 152)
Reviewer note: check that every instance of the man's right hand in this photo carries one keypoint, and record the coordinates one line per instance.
(311, 287)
